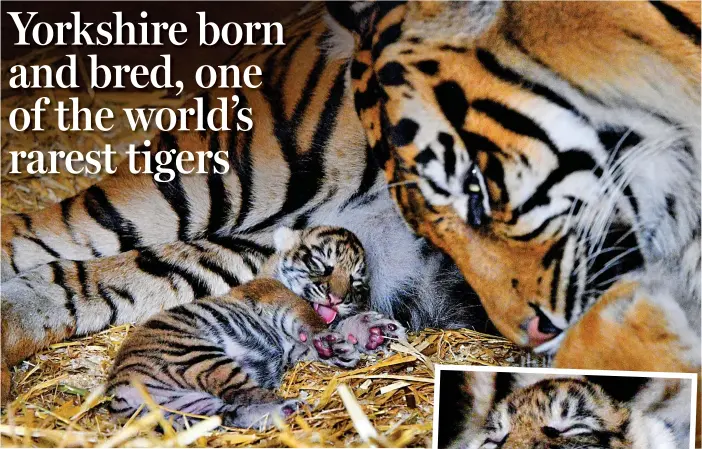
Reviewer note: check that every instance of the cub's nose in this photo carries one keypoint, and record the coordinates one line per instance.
(540, 330)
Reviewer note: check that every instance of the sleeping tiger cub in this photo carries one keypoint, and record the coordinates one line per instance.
(511, 411)
(225, 355)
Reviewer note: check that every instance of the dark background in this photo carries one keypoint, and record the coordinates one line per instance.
(184, 59)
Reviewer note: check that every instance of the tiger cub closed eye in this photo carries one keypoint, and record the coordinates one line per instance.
(226, 355)
(568, 414)
(326, 266)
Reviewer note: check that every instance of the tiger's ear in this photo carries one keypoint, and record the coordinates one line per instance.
(449, 20)
(286, 239)
(355, 16)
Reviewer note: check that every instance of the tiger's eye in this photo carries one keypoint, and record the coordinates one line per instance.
(476, 209)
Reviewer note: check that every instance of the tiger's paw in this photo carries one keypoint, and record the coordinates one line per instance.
(369, 331)
(260, 416)
(335, 349)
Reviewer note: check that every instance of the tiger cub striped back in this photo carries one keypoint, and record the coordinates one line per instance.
(226, 355)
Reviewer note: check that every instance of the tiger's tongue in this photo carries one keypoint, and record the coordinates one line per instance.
(327, 313)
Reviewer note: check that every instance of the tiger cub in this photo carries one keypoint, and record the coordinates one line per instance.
(226, 355)
(569, 413)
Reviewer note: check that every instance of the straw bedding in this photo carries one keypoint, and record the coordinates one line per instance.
(386, 402)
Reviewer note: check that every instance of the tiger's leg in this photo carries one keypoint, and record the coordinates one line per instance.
(637, 328)
(65, 298)
(257, 409)
(625, 327)
(214, 385)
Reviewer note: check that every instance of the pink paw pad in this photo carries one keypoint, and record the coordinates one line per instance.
(323, 350)
(375, 339)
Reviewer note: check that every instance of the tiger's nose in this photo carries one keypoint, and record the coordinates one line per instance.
(540, 329)
(334, 299)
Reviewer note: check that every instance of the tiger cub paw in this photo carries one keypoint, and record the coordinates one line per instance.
(335, 349)
(369, 331)
(260, 416)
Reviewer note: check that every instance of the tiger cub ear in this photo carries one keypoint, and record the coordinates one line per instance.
(286, 239)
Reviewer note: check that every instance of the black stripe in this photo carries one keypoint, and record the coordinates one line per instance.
(539, 229)
(569, 162)
(124, 294)
(220, 200)
(404, 132)
(239, 245)
(513, 121)
(60, 280)
(571, 291)
(554, 253)
(158, 324)
(149, 262)
(679, 21)
(229, 278)
(193, 359)
(285, 129)
(105, 214)
(392, 74)
(44, 246)
(232, 374)
(26, 219)
(477, 142)
(449, 154)
(556, 280)
(82, 278)
(307, 172)
(490, 63)
(511, 38)
(618, 240)
(105, 295)
(370, 176)
(389, 36)
(173, 191)
(240, 160)
(358, 68)
(425, 156)
(368, 98)
(66, 211)
(453, 102)
(503, 386)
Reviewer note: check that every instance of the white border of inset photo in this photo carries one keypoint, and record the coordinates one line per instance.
(558, 371)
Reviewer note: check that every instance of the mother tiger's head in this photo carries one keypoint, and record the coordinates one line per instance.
(535, 142)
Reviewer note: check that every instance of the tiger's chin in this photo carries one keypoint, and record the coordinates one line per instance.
(551, 346)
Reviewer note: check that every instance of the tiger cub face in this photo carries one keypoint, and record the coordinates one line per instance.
(326, 266)
(567, 414)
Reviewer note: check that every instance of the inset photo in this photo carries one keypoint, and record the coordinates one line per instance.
(516, 408)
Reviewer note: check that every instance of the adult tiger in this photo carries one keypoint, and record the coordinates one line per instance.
(475, 110)
(305, 163)
(553, 150)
